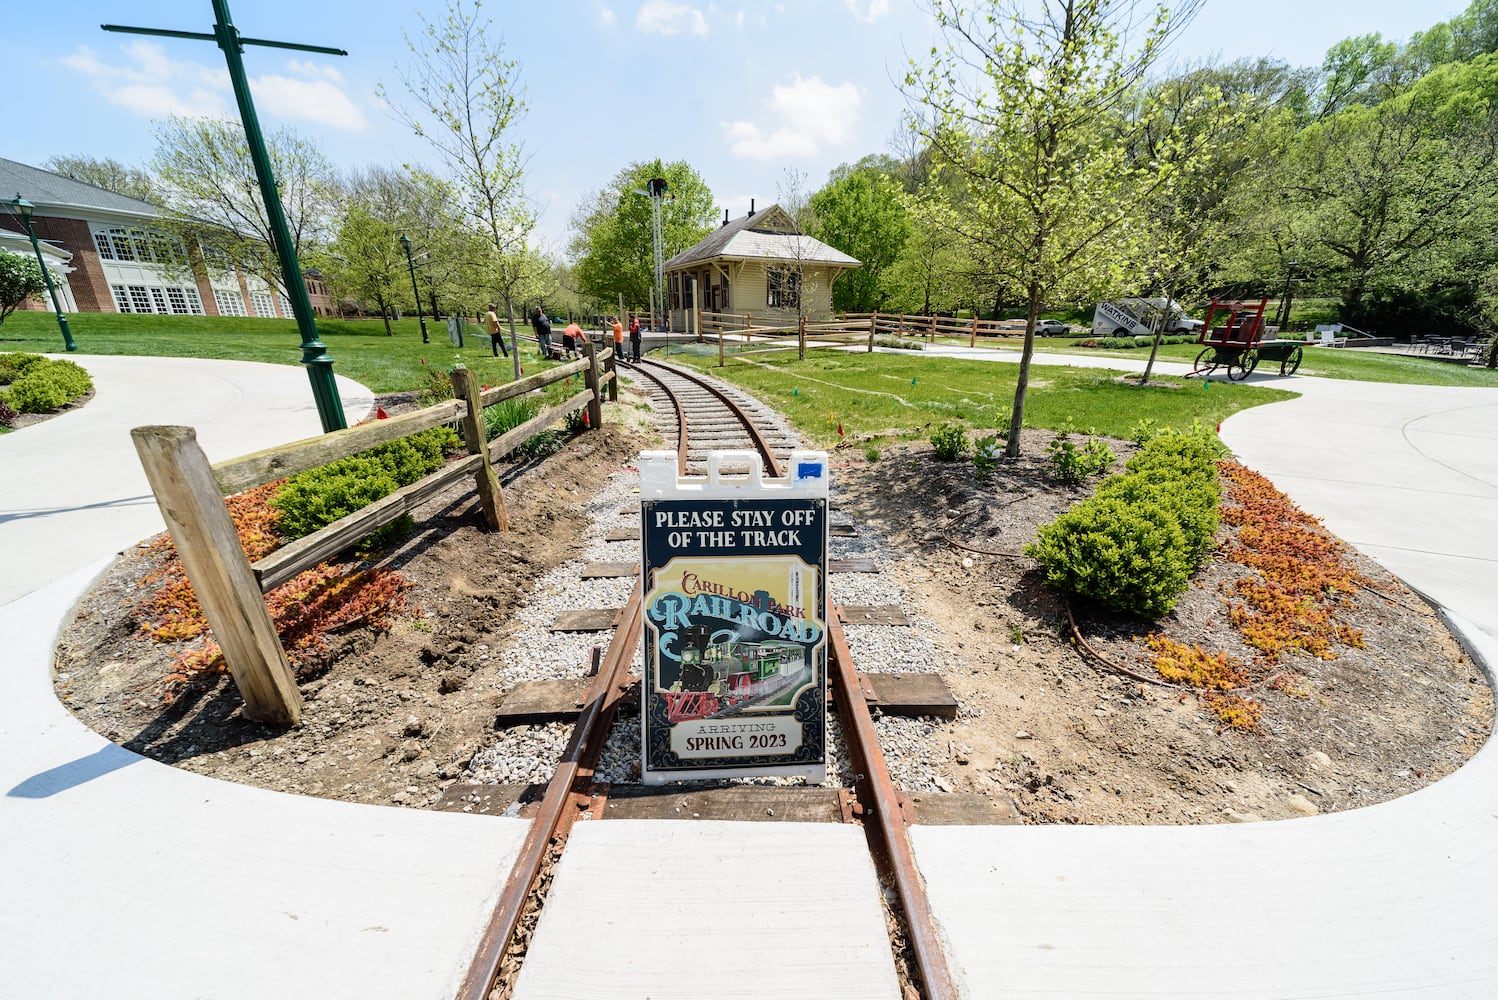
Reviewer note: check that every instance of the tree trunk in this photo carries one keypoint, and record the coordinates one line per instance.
(1149, 366)
(514, 342)
(385, 315)
(1017, 416)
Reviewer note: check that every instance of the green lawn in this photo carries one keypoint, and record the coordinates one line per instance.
(897, 396)
(359, 348)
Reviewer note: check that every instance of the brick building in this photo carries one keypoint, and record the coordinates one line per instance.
(111, 258)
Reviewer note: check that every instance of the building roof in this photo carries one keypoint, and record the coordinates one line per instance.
(763, 235)
(46, 189)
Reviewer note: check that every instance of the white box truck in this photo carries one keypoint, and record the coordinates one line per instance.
(1136, 316)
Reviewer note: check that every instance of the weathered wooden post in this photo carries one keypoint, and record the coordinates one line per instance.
(801, 339)
(931, 337)
(720, 346)
(972, 340)
(208, 545)
(696, 318)
(611, 365)
(491, 496)
(590, 378)
(873, 325)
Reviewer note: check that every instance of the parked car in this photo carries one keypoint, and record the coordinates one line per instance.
(1051, 328)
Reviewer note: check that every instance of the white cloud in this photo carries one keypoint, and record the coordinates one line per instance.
(809, 116)
(194, 90)
(868, 11)
(151, 84)
(738, 19)
(607, 18)
(665, 17)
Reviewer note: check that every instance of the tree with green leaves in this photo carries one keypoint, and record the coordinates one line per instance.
(20, 279)
(612, 240)
(365, 260)
(1401, 192)
(1025, 111)
(203, 165)
(465, 100)
(862, 212)
(109, 174)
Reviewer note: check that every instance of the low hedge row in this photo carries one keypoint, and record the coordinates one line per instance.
(1134, 544)
(40, 385)
(316, 498)
(1129, 343)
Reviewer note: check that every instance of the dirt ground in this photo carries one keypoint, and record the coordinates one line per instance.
(395, 717)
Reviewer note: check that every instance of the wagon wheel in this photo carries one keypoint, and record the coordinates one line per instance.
(1204, 363)
(1241, 365)
(1291, 364)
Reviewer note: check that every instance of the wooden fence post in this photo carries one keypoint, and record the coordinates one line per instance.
(696, 319)
(801, 339)
(590, 378)
(931, 337)
(208, 545)
(611, 364)
(491, 496)
(972, 340)
(873, 325)
(720, 346)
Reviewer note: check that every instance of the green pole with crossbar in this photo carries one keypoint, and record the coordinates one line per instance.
(314, 351)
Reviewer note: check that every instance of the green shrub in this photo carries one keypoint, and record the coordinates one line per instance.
(949, 441)
(46, 385)
(900, 343)
(1130, 557)
(1134, 544)
(12, 366)
(871, 454)
(986, 454)
(1073, 464)
(316, 498)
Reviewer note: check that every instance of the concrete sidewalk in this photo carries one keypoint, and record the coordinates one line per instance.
(123, 876)
(1395, 900)
(73, 487)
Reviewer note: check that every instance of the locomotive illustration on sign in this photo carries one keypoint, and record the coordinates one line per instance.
(720, 672)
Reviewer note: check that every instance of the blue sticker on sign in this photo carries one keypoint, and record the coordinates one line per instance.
(809, 470)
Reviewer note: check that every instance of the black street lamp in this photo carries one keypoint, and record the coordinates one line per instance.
(24, 209)
(415, 292)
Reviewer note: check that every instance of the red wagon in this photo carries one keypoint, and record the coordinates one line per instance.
(1237, 342)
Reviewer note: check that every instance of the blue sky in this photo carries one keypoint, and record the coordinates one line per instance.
(741, 90)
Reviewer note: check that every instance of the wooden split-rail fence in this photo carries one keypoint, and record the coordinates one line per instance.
(190, 493)
(772, 333)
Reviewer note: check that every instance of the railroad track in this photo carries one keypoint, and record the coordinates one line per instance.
(709, 417)
(712, 417)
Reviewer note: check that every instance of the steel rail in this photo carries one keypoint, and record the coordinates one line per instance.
(889, 827)
(554, 819)
(772, 464)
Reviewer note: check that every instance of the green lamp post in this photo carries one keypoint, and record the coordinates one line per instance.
(24, 209)
(314, 352)
(405, 243)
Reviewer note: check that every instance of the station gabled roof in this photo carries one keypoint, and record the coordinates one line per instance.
(51, 191)
(765, 235)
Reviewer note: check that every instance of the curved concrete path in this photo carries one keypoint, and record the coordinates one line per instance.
(1395, 900)
(120, 874)
(123, 877)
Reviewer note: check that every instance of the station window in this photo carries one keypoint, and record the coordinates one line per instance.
(784, 289)
(229, 303)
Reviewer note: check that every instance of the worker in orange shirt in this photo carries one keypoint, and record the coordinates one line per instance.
(572, 338)
(618, 337)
